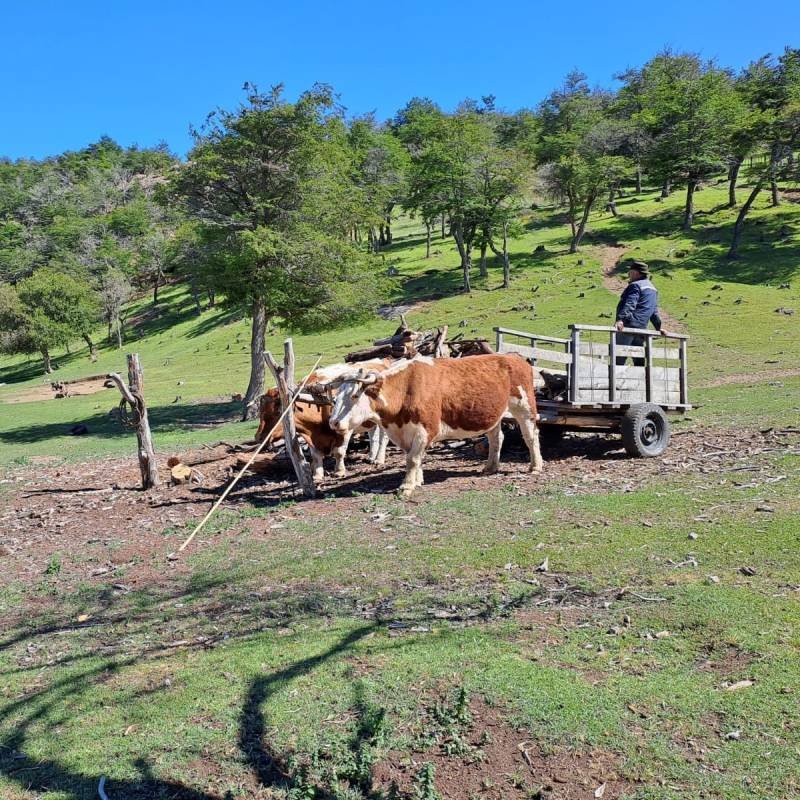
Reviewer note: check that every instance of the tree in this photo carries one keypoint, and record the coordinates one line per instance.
(772, 91)
(688, 108)
(380, 169)
(579, 150)
(265, 184)
(48, 309)
(114, 292)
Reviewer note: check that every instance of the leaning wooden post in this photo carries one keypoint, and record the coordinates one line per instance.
(133, 394)
(284, 380)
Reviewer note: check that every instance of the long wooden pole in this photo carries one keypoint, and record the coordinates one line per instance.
(249, 462)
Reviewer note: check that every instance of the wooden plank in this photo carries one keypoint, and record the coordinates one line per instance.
(684, 379)
(648, 369)
(527, 335)
(637, 331)
(575, 354)
(596, 350)
(539, 353)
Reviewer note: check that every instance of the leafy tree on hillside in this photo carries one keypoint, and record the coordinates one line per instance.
(269, 185)
(688, 108)
(772, 91)
(579, 150)
(380, 172)
(47, 310)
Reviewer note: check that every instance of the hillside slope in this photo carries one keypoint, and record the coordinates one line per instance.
(737, 313)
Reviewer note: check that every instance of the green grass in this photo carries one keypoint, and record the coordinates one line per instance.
(285, 646)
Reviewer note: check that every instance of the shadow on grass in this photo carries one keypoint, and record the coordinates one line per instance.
(132, 629)
(102, 425)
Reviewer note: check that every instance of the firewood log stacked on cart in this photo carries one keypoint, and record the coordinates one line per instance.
(407, 343)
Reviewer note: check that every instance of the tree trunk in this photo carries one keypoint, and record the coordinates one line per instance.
(212, 298)
(284, 380)
(427, 240)
(666, 188)
(482, 270)
(257, 346)
(504, 255)
(195, 295)
(638, 179)
(159, 276)
(48, 368)
(571, 213)
(92, 348)
(382, 240)
(737, 228)
(578, 234)
(147, 457)
(733, 176)
(119, 333)
(776, 198)
(688, 215)
(388, 229)
(612, 206)
(108, 337)
(442, 226)
(465, 253)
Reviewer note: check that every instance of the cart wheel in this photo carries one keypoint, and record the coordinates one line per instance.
(645, 430)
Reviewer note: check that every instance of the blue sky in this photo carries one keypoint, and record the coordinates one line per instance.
(143, 72)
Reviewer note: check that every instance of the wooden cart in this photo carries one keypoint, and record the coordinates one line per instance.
(591, 381)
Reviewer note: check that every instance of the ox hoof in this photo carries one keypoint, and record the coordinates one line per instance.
(340, 473)
(487, 470)
(535, 470)
(405, 492)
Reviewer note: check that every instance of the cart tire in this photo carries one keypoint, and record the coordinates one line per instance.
(645, 431)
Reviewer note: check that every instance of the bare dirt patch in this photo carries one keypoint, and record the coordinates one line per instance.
(490, 758)
(92, 523)
(47, 392)
(615, 283)
(750, 378)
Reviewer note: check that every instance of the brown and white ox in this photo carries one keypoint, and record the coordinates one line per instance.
(312, 423)
(424, 400)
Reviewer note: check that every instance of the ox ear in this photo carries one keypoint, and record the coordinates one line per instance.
(373, 388)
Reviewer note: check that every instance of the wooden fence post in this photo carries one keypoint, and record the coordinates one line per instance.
(133, 394)
(284, 380)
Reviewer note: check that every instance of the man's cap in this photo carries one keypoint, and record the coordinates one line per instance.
(640, 266)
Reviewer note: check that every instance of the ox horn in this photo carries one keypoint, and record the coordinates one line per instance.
(368, 379)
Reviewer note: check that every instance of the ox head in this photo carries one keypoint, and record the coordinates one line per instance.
(354, 404)
(269, 410)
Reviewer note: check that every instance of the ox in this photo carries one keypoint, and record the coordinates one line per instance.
(424, 400)
(312, 423)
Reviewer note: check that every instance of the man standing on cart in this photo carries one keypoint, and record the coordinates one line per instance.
(637, 307)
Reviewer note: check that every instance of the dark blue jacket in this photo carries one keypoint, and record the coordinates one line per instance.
(639, 305)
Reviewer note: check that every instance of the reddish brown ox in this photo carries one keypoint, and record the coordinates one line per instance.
(426, 400)
(312, 423)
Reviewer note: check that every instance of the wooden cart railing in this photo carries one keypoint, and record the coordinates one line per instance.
(594, 377)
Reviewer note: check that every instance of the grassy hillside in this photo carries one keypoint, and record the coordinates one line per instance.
(613, 628)
(193, 364)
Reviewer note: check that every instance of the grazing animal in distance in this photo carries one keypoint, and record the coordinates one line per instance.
(427, 400)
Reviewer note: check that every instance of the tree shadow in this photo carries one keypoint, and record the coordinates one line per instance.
(163, 419)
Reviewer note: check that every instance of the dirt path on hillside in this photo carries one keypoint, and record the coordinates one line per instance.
(609, 258)
(750, 378)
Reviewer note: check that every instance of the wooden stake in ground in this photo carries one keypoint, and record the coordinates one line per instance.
(284, 380)
(252, 458)
(133, 394)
